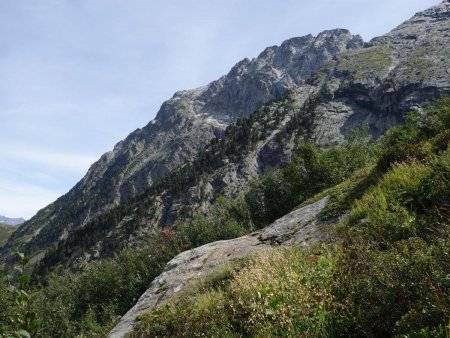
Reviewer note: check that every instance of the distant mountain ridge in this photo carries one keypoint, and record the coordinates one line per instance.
(7, 227)
(11, 221)
(213, 140)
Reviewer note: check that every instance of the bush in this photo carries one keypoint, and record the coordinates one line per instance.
(228, 218)
(17, 317)
(88, 303)
(277, 293)
(387, 277)
(310, 172)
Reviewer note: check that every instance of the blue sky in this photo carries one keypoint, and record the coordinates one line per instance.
(77, 76)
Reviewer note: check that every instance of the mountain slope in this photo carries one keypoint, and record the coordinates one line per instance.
(373, 85)
(382, 274)
(5, 232)
(300, 227)
(183, 125)
(7, 227)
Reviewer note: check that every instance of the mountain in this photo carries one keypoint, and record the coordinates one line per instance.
(183, 125)
(11, 221)
(283, 219)
(213, 140)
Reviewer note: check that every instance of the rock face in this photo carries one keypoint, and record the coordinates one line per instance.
(311, 88)
(183, 125)
(300, 227)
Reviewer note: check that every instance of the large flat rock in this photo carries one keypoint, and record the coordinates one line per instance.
(302, 226)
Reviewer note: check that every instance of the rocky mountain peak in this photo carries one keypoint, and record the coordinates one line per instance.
(184, 125)
(422, 26)
(251, 83)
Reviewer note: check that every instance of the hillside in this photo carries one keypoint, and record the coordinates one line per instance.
(305, 193)
(7, 227)
(184, 124)
(373, 85)
(5, 232)
(379, 210)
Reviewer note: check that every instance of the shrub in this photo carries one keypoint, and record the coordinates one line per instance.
(277, 293)
(18, 319)
(310, 172)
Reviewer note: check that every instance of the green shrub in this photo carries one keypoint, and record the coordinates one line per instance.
(277, 293)
(310, 172)
(388, 276)
(17, 318)
(228, 218)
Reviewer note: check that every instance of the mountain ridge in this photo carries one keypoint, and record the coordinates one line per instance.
(185, 123)
(11, 220)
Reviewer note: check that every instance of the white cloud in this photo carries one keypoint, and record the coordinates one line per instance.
(30, 179)
(23, 200)
(75, 163)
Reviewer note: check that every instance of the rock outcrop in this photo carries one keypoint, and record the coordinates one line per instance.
(300, 227)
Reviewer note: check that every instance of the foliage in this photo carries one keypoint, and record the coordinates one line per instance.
(89, 303)
(278, 293)
(310, 172)
(388, 276)
(396, 253)
(17, 318)
(227, 219)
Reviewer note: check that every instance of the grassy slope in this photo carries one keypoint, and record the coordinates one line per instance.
(384, 278)
(5, 231)
(387, 277)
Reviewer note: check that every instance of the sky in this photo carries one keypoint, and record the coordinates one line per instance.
(77, 76)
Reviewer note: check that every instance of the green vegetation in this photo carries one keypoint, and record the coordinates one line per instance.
(69, 304)
(278, 192)
(17, 318)
(387, 277)
(277, 293)
(365, 63)
(88, 303)
(5, 232)
(426, 63)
